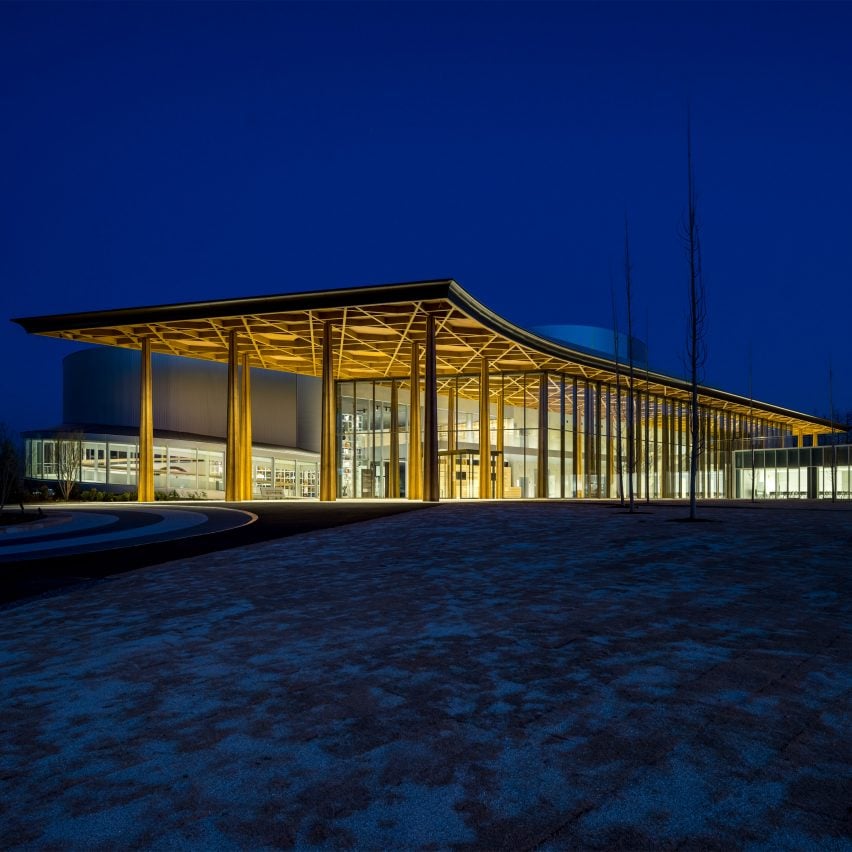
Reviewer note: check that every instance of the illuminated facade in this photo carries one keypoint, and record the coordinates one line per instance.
(500, 412)
(186, 466)
(100, 408)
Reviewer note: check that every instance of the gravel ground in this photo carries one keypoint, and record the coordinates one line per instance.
(517, 675)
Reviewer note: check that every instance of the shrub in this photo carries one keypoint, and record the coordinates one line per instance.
(92, 494)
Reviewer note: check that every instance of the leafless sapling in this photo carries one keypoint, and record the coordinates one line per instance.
(68, 449)
(833, 457)
(647, 414)
(631, 419)
(619, 459)
(696, 344)
(750, 411)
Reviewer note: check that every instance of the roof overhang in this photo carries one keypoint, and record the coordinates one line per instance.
(374, 329)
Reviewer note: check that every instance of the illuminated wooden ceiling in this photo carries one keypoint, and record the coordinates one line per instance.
(374, 329)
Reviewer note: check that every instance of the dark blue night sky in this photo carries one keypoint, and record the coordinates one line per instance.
(161, 153)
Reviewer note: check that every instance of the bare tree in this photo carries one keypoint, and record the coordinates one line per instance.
(68, 449)
(616, 353)
(10, 466)
(750, 436)
(833, 435)
(696, 348)
(647, 413)
(631, 419)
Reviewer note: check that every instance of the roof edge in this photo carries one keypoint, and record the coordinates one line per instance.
(499, 324)
(341, 297)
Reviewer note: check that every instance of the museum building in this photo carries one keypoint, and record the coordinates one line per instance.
(404, 390)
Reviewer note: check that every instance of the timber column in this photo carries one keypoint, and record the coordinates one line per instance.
(145, 462)
(246, 478)
(665, 485)
(415, 453)
(451, 439)
(577, 443)
(484, 433)
(499, 462)
(541, 480)
(328, 454)
(233, 490)
(431, 482)
(393, 473)
(611, 478)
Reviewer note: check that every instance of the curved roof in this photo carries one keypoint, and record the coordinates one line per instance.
(374, 328)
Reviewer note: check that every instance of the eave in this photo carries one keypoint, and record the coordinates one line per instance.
(374, 330)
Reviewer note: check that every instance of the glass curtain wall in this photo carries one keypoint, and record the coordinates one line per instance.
(184, 469)
(521, 435)
(794, 473)
(459, 464)
(578, 447)
(364, 437)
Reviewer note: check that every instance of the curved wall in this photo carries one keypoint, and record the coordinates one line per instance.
(101, 387)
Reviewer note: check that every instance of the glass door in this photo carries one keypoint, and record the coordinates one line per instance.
(458, 472)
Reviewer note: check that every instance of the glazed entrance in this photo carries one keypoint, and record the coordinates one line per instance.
(546, 435)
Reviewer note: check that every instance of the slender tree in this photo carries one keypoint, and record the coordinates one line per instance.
(68, 447)
(631, 419)
(833, 436)
(750, 407)
(615, 350)
(648, 415)
(696, 349)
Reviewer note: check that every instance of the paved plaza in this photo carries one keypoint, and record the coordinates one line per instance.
(491, 676)
(71, 543)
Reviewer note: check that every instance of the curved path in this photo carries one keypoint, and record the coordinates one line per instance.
(74, 543)
(84, 530)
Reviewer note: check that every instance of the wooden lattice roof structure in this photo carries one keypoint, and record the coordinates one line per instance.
(374, 330)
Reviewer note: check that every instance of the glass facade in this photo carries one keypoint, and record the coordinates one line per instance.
(548, 435)
(552, 435)
(364, 415)
(794, 472)
(178, 466)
